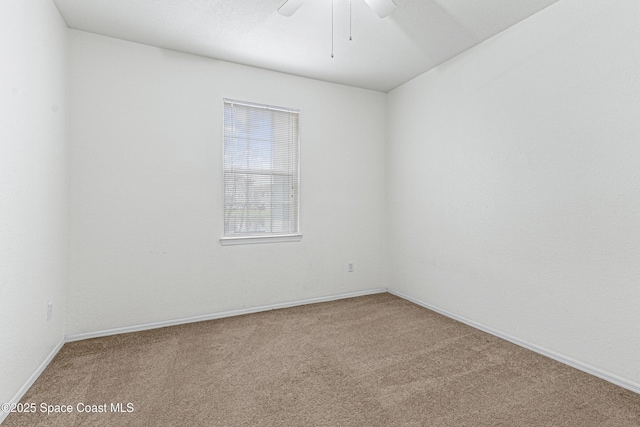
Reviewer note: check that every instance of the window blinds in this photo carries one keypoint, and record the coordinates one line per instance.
(261, 164)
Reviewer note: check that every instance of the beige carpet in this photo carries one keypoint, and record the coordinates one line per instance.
(370, 361)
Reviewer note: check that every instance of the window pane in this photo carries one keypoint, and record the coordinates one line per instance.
(261, 147)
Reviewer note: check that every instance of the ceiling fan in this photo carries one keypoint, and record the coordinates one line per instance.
(383, 8)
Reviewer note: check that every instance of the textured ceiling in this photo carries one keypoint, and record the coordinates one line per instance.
(383, 54)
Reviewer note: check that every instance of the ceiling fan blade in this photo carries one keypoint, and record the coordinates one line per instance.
(289, 7)
(383, 8)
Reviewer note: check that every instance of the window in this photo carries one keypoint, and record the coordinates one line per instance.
(261, 171)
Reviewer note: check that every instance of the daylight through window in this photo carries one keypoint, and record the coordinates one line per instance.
(261, 163)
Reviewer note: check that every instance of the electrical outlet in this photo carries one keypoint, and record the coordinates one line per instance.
(350, 267)
(49, 311)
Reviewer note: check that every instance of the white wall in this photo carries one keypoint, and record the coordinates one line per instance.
(33, 187)
(146, 188)
(514, 184)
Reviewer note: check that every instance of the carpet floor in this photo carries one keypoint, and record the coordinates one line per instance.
(375, 360)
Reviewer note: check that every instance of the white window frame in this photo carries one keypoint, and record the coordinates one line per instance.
(271, 238)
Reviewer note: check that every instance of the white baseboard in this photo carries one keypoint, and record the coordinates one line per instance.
(16, 398)
(219, 315)
(629, 385)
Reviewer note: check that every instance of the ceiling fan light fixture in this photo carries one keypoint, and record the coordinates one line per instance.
(383, 8)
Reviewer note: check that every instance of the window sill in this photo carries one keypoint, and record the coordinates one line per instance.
(249, 240)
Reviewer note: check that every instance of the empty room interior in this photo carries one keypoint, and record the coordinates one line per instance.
(320, 212)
